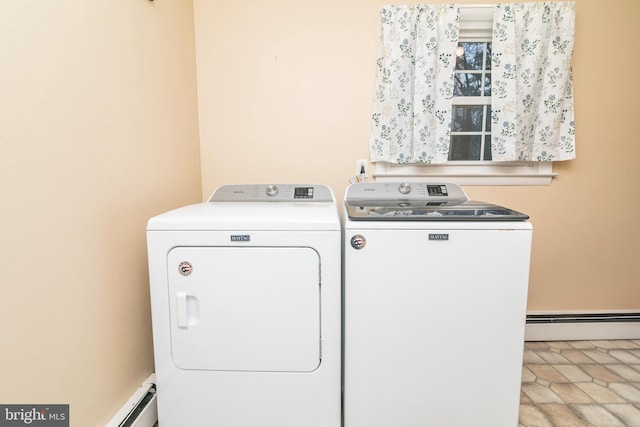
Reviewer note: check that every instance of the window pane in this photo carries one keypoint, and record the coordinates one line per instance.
(487, 147)
(467, 84)
(487, 85)
(488, 119)
(467, 118)
(465, 147)
(471, 59)
(488, 56)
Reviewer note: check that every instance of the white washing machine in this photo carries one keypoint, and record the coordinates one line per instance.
(435, 307)
(246, 308)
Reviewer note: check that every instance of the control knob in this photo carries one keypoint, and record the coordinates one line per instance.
(404, 188)
(272, 190)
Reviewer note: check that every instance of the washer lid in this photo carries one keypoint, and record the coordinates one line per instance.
(420, 202)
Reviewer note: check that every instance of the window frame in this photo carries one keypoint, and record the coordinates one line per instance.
(476, 25)
(482, 100)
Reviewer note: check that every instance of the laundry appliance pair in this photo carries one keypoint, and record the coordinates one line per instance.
(267, 312)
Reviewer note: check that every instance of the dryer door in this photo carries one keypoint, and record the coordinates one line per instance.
(245, 308)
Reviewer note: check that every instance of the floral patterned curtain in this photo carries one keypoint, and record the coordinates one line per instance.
(414, 86)
(532, 89)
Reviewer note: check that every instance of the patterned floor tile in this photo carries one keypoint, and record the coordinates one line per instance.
(573, 373)
(599, 393)
(600, 356)
(598, 416)
(581, 345)
(554, 358)
(527, 375)
(577, 356)
(530, 357)
(628, 414)
(531, 416)
(570, 393)
(541, 394)
(601, 373)
(581, 384)
(625, 357)
(627, 372)
(560, 345)
(562, 415)
(548, 373)
(627, 344)
(627, 391)
(605, 344)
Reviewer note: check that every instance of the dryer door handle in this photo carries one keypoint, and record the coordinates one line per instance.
(181, 309)
(187, 309)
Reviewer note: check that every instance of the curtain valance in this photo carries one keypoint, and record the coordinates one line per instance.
(532, 90)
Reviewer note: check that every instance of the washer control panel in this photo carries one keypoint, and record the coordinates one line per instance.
(367, 194)
(272, 193)
(419, 201)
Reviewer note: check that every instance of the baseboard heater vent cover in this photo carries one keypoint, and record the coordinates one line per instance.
(583, 318)
(583, 326)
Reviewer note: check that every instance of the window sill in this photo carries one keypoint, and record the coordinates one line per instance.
(469, 173)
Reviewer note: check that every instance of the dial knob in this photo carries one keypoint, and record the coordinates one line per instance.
(272, 190)
(404, 188)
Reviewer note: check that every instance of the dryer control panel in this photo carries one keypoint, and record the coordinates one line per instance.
(272, 193)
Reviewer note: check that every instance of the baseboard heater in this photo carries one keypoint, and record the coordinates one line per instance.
(140, 410)
(582, 318)
(582, 326)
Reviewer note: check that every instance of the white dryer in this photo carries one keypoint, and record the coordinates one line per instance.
(435, 292)
(246, 308)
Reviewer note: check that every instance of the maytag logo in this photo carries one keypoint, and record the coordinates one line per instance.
(240, 237)
(438, 236)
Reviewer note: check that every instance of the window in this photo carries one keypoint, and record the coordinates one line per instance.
(471, 123)
(470, 144)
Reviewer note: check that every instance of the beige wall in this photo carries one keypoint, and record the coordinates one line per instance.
(98, 132)
(285, 93)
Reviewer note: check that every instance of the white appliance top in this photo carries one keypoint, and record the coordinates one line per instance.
(256, 207)
(419, 201)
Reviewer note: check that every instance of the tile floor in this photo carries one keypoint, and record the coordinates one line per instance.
(581, 383)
